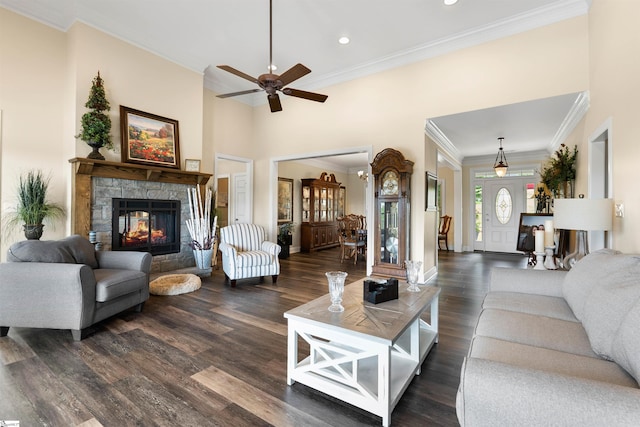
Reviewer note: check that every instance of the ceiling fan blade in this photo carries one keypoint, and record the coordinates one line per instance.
(242, 92)
(274, 103)
(238, 73)
(304, 94)
(293, 74)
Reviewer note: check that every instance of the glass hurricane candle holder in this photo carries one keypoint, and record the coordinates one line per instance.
(413, 270)
(336, 289)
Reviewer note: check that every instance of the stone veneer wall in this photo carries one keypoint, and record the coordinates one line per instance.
(105, 189)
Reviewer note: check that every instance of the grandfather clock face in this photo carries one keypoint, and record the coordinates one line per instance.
(389, 185)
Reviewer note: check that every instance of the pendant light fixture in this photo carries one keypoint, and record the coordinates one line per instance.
(501, 165)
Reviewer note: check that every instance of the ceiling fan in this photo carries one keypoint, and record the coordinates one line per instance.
(273, 83)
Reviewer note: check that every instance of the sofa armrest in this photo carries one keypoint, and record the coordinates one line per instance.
(527, 281)
(273, 248)
(125, 260)
(228, 250)
(52, 295)
(493, 393)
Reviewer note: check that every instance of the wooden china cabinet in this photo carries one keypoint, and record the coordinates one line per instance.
(392, 193)
(320, 208)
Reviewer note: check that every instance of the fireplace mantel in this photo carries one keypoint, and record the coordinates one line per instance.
(84, 169)
(108, 169)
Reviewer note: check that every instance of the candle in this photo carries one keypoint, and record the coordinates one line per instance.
(548, 233)
(539, 235)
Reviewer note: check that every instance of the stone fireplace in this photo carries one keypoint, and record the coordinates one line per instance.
(98, 183)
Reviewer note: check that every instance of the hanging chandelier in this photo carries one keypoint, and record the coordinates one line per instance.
(501, 165)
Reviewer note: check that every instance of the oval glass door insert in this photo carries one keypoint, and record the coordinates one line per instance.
(504, 205)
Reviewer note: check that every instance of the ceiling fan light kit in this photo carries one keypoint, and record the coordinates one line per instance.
(273, 83)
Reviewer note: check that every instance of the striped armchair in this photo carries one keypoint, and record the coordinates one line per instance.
(245, 253)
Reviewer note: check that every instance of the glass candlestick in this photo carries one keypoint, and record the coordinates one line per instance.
(336, 289)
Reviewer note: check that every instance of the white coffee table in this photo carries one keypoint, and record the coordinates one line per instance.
(366, 355)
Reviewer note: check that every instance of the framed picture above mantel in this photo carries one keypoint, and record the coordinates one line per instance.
(149, 139)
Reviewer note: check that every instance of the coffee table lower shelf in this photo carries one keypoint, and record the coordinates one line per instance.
(362, 370)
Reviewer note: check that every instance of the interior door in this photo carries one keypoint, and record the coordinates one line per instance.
(503, 202)
(240, 203)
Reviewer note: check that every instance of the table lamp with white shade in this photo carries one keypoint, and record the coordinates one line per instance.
(582, 215)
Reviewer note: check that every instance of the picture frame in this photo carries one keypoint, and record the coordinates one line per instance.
(149, 139)
(431, 192)
(285, 200)
(528, 221)
(192, 165)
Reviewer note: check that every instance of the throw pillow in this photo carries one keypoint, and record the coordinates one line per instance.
(585, 275)
(70, 250)
(608, 304)
(626, 344)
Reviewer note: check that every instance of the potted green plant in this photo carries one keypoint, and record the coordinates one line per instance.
(560, 171)
(285, 238)
(33, 208)
(95, 125)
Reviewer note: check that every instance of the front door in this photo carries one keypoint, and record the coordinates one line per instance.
(503, 202)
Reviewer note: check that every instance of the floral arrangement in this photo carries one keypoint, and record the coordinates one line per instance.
(560, 168)
(200, 227)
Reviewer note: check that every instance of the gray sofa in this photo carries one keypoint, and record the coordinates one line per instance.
(65, 284)
(557, 348)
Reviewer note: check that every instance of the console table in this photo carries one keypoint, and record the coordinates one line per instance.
(366, 355)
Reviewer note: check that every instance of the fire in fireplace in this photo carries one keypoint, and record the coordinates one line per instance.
(146, 225)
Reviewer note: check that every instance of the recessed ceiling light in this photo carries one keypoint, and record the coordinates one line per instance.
(272, 67)
(343, 40)
(450, 2)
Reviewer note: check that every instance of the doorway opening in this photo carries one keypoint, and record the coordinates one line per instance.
(497, 204)
(234, 189)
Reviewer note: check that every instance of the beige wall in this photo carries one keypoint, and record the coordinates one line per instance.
(33, 88)
(614, 70)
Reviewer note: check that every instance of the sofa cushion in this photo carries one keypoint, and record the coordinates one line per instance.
(254, 259)
(553, 361)
(70, 250)
(111, 283)
(528, 303)
(585, 275)
(610, 302)
(537, 331)
(626, 344)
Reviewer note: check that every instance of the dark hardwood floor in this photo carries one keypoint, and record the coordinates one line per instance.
(217, 356)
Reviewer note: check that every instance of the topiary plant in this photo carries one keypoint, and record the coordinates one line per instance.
(95, 125)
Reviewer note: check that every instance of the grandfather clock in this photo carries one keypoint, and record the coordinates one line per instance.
(392, 174)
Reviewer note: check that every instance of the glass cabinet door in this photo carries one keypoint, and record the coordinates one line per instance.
(389, 232)
(305, 203)
(323, 204)
(316, 204)
(330, 204)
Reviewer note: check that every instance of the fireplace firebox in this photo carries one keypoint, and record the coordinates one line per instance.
(146, 225)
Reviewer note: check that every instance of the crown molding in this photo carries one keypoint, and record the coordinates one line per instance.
(445, 145)
(573, 117)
